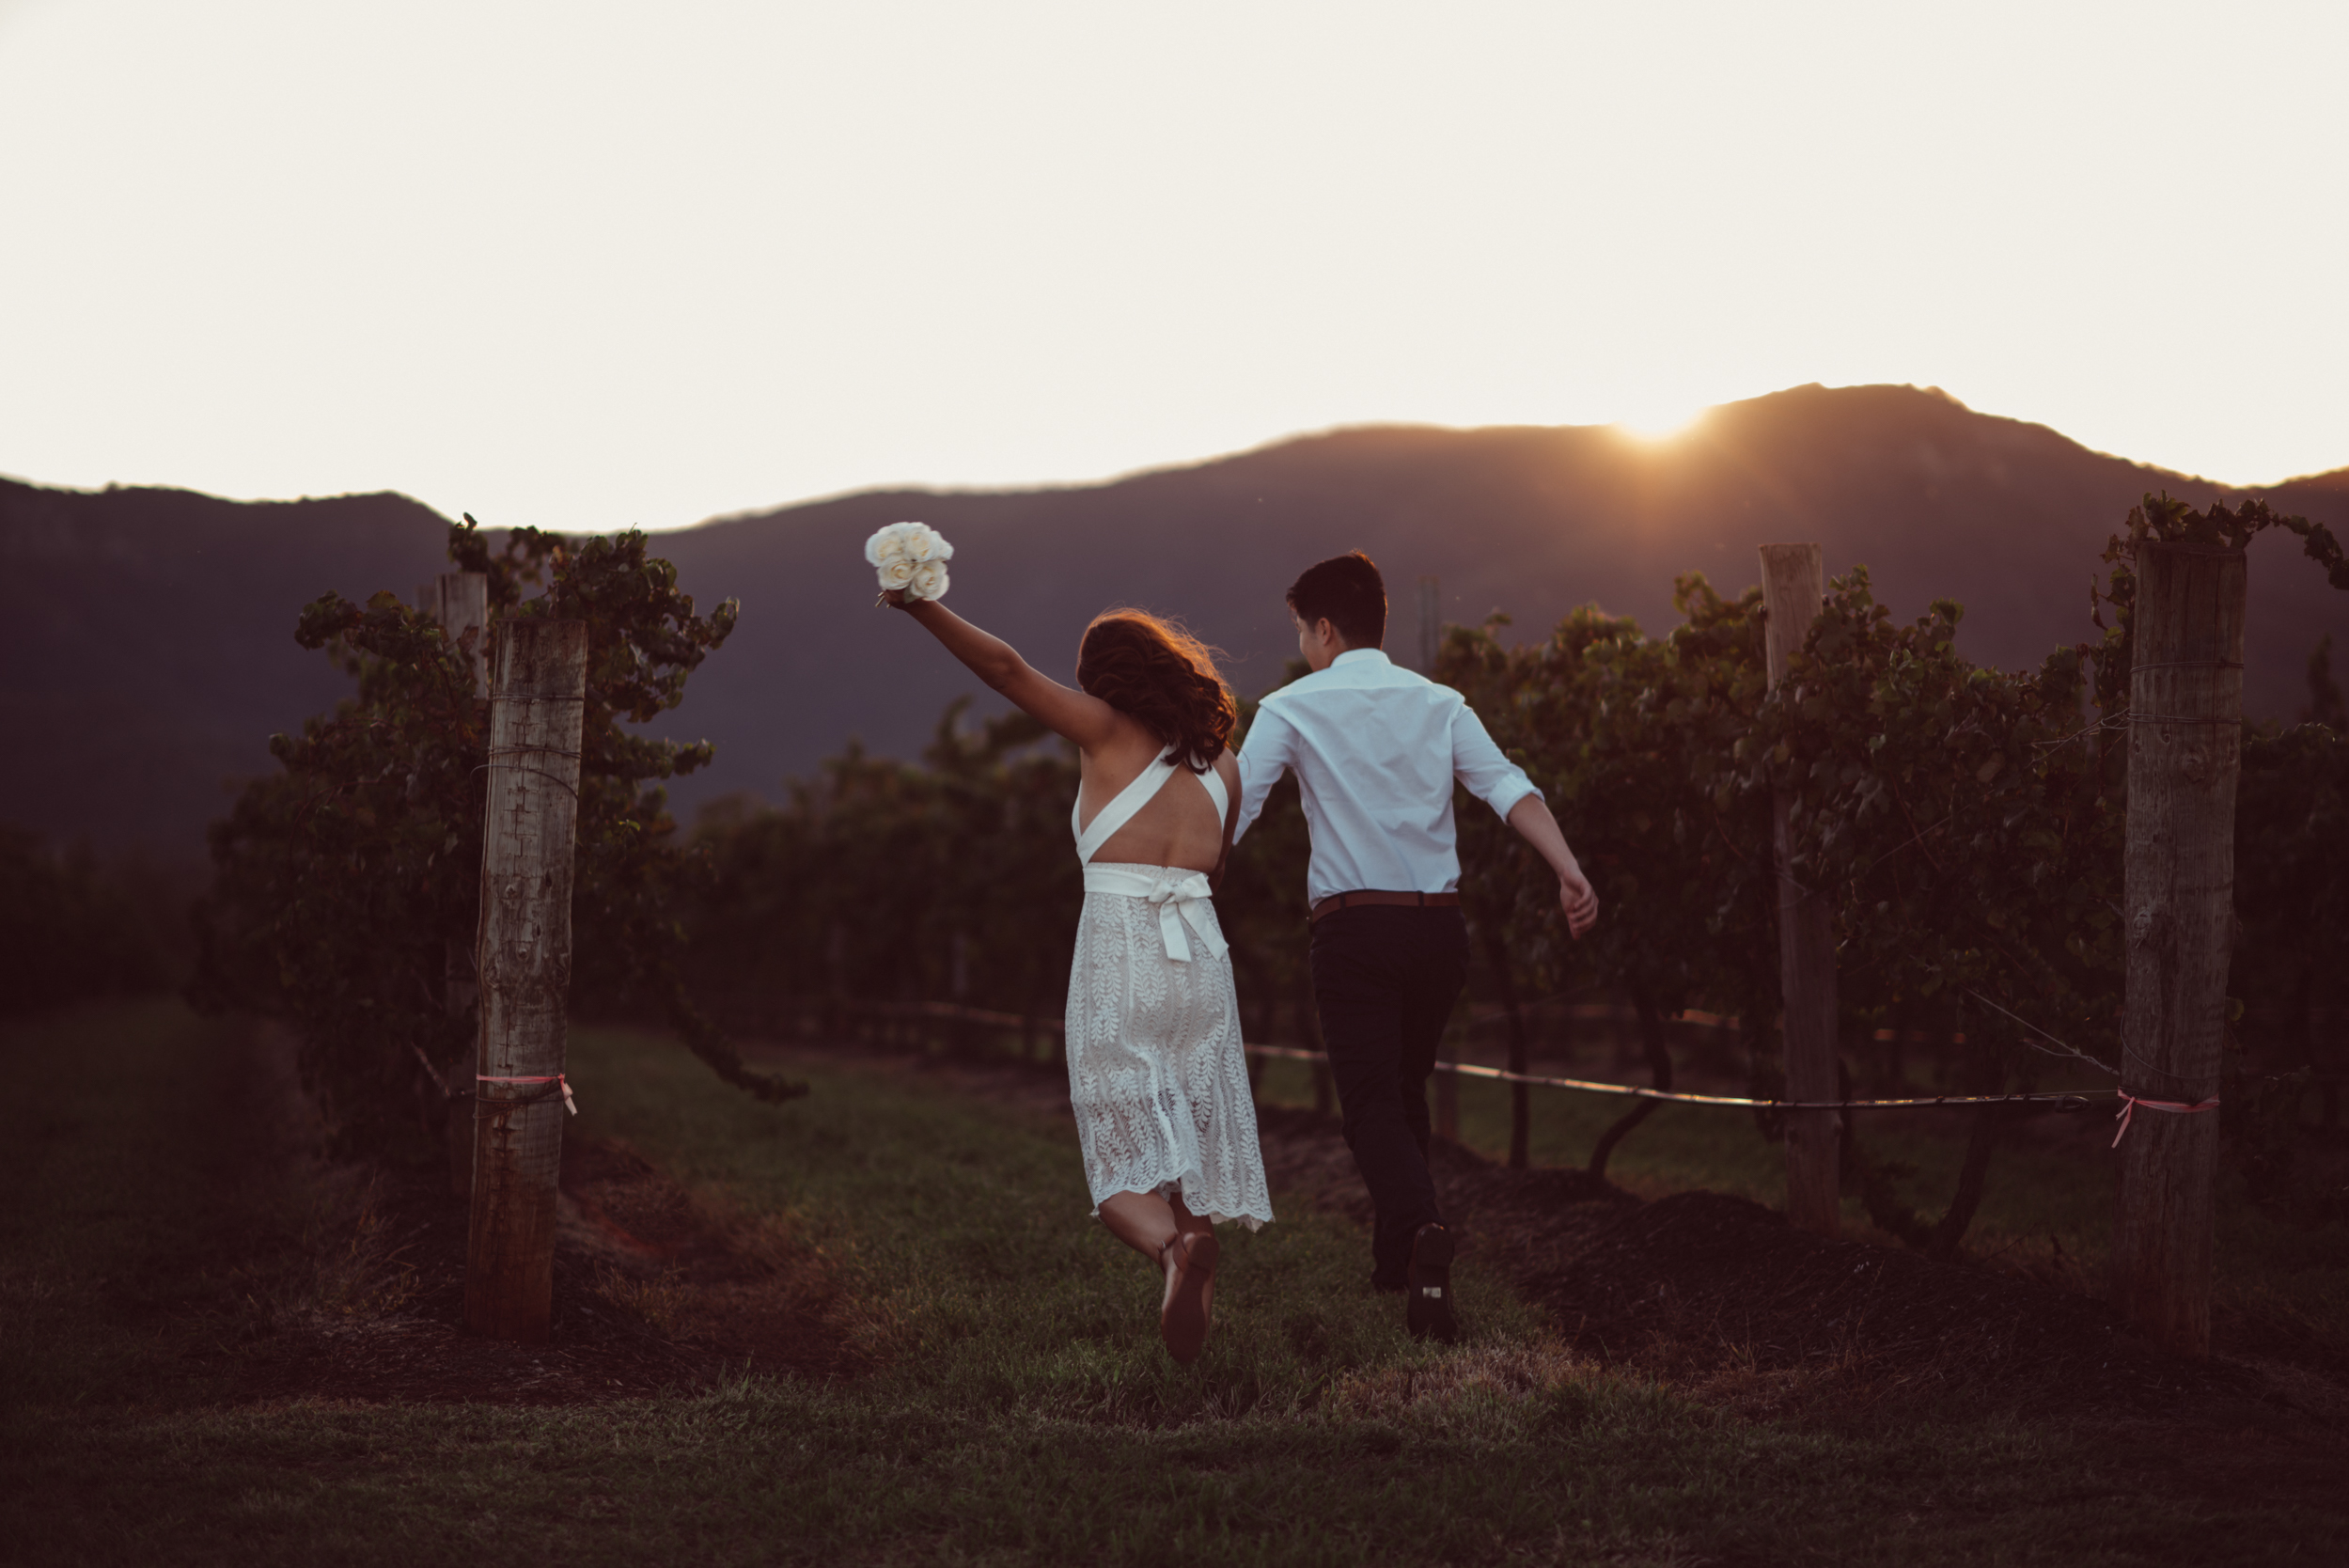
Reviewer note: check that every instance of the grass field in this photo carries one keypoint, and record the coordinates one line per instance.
(2046, 1209)
(1021, 1410)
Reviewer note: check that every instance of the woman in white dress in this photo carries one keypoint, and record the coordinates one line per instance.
(1156, 1074)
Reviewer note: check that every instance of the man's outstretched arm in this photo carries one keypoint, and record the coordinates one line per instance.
(1531, 818)
(1493, 779)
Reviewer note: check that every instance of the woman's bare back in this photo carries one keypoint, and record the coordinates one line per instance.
(1178, 827)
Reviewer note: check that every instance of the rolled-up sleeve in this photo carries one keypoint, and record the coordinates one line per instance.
(1477, 763)
(1270, 749)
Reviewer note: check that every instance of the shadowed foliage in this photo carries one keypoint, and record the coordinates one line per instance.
(346, 888)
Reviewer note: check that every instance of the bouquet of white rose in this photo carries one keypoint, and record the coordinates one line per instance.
(912, 556)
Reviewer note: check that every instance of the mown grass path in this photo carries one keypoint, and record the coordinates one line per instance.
(1022, 1411)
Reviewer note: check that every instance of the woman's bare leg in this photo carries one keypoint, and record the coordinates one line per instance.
(1143, 1220)
(1195, 1225)
(1152, 1226)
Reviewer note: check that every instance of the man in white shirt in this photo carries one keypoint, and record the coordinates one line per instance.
(1376, 749)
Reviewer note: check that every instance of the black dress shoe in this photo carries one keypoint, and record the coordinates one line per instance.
(1428, 1306)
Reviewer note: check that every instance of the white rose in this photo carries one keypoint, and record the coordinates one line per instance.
(897, 572)
(922, 541)
(888, 544)
(930, 581)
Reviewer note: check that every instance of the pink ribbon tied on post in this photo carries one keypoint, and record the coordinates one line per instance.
(2130, 1101)
(569, 1104)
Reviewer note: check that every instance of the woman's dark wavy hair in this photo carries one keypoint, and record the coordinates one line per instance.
(1160, 674)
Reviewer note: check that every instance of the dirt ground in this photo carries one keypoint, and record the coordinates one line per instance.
(654, 1289)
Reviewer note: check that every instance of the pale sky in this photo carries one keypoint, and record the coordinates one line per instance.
(588, 265)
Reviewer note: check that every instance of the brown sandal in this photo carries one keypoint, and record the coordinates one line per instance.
(1183, 1317)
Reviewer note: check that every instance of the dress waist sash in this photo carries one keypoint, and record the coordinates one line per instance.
(1179, 895)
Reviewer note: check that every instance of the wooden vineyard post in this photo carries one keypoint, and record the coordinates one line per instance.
(459, 600)
(1793, 591)
(1431, 640)
(2185, 736)
(536, 711)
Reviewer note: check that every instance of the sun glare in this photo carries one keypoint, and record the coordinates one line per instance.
(1659, 421)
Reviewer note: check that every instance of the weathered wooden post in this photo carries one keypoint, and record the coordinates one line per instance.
(2185, 736)
(536, 711)
(459, 600)
(1793, 591)
(1431, 642)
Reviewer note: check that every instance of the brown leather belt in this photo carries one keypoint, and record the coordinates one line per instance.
(1336, 901)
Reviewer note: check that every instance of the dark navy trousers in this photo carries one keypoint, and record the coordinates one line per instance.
(1385, 980)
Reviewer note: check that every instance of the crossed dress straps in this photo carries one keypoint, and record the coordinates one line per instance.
(1178, 893)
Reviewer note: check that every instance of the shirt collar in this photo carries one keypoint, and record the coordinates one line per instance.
(1360, 655)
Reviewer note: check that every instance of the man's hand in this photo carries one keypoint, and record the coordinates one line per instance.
(1534, 823)
(1576, 898)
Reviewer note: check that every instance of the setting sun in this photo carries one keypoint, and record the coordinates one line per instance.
(1660, 420)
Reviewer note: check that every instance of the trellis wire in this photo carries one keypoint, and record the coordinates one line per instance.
(2078, 1100)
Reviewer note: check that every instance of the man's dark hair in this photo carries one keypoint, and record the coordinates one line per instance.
(1347, 591)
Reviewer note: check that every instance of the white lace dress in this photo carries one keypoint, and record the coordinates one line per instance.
(1156, 1073)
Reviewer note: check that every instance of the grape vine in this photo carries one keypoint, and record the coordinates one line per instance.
(346, 885)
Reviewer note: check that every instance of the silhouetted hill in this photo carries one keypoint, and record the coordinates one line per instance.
(146, 646)
(1938, 501)
(149, 632)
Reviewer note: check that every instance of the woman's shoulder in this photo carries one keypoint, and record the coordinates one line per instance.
(1123, 733)
(1127, 748)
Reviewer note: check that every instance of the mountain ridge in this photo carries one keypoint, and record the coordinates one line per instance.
(146, 633)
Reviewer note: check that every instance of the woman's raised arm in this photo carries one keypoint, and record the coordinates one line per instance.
(1085, 720)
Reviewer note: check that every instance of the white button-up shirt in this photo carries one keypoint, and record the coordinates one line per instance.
(1376, 749)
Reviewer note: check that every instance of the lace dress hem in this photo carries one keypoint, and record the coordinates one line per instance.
(1182, 1187)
